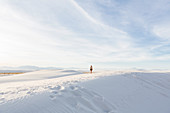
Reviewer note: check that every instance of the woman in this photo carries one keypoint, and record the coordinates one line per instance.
(91, 68)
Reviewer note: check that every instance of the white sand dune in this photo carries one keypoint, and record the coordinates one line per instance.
(38, 75)
(69, 91)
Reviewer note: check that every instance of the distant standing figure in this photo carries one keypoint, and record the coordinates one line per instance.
(91, 68)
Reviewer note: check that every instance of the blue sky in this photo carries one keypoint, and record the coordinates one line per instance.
(78, 33)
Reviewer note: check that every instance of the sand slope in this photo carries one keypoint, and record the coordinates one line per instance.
(69, 91)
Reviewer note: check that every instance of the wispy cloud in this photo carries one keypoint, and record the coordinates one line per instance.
(162, 31)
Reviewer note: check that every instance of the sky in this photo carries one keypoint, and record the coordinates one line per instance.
(79, 33)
